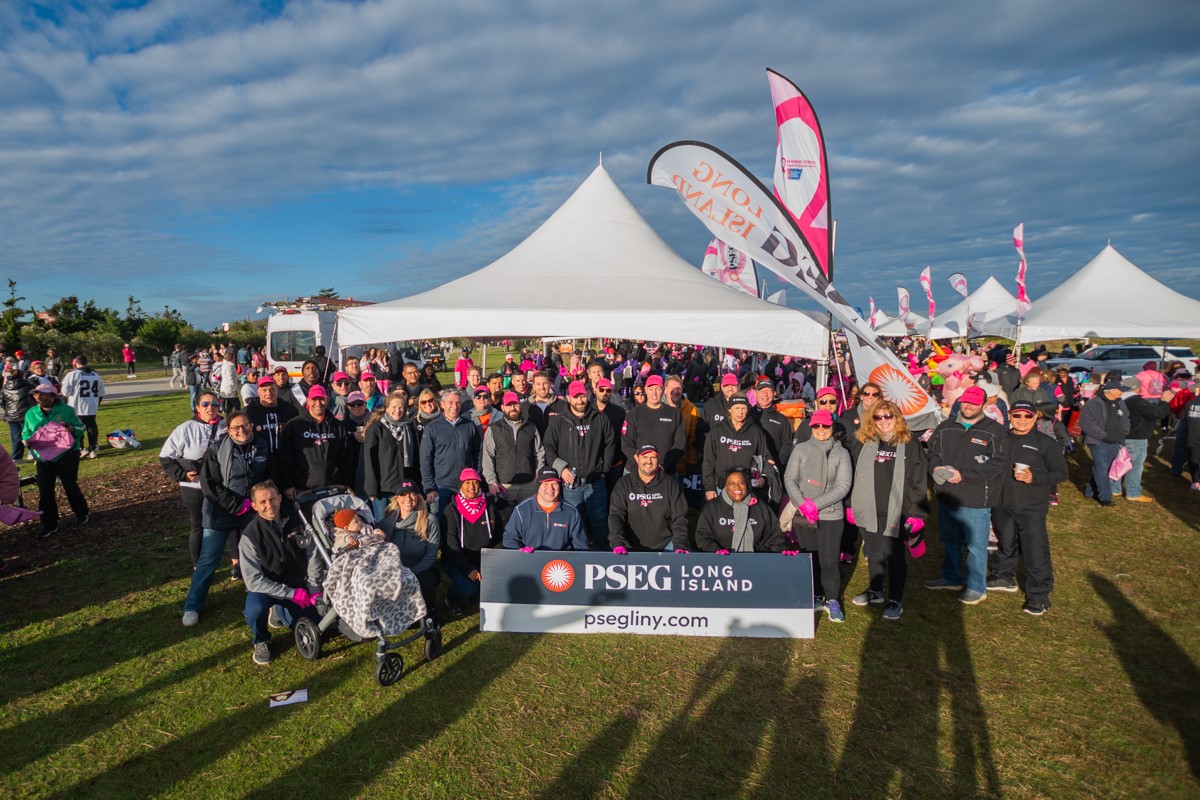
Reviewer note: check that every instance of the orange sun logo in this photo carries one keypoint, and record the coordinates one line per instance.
(900, 388)
(557, 576)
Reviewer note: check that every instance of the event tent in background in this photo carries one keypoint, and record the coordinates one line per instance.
(594, 269)
(913, 325)
(989, 302)
(1110, 298)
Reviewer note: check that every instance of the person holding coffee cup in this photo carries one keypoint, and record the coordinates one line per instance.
(1020, 518)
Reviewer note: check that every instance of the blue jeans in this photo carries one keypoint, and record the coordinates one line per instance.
(1103, 456)
(445, 497)
(379, 505)
(258, 606)
(212, 545)
(592, 501)
(18, 446)
(1133, 479)
(460, 585)
(959, 526)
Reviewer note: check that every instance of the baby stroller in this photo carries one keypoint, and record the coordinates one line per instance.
(322, 504)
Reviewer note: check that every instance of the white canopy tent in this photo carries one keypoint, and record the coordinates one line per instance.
(1109, 298)
(595, 268)
(912, 325)
(991, 301)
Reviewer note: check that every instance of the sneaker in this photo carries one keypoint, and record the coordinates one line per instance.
(47, 533)
(453, 607)
(1034, 609)
(84, 520)
(818, 601)
(894, 609)
(834, 608)
(1141, 498)
(971, 597)
(846, 558)
(1054, 498)
(867, 598)
(190, 618)
(941, 583)
(235, 574)
(262, 653)
(28, 456)
(1002, 584)
(273, 620)
(92, 453)
(1106, 503)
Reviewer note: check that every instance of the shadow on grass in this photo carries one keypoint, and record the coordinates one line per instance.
(159, 769)
(1165, 678)
(1170, 491)
(747, 728)
(895, 742)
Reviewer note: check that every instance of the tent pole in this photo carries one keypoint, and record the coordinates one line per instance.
(483, 361)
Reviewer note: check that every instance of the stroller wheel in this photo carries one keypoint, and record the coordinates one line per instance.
(308, 639)
(433, 645)
(389, 669)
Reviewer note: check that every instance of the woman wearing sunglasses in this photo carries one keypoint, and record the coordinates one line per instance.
(888, 503)
(182, 455)
(817, 479)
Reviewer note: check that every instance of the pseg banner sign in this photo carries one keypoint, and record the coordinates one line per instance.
(743, 594)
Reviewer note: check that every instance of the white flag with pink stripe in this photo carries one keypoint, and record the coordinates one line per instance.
(927, 285)
(905, 302)
(1023, 304)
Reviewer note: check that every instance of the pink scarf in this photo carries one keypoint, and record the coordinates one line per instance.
(471, 510)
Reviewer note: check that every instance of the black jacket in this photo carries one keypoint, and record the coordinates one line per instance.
(269, 422)
(980, 453)
(726, 448)
(15, 398)
(281, 558)
(1144, 415)
(229, 472)
(778, 432)
(714, 530)
(645, 516)
(1044, 457)
(462, 540)
(586, 444)
(389, 461)
(314, 454)
(662, 427)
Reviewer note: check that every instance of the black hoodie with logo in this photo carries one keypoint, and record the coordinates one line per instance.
(647, 516)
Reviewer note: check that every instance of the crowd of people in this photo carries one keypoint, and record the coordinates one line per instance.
(602, 450)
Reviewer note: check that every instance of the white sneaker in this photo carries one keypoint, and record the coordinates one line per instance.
(28, 456)
(190, 618)
(92, 453)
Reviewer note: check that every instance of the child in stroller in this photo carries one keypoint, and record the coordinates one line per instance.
(366, 589)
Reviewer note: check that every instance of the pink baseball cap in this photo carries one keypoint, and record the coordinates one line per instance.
(729, 379)
(510, 398)
(576, 388)
(266, 380)
(366, 375)
(821, 417)
(356, 397)
(826, 391)
(340, 376)
(973, 395)
(604, 383)
(469, 474)
(317, 391)
(654, 380)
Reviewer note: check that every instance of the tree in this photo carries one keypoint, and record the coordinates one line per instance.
(328, 294)
(10, 319)
(158, 335)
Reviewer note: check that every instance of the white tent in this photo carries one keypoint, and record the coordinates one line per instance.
(595, 268)
(991, 301)
(1109, 298)
(912, 325)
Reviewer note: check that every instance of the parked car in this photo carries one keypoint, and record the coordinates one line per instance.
(1129, 358)
(435, 356)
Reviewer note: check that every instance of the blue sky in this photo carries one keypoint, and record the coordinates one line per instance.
(210, 154)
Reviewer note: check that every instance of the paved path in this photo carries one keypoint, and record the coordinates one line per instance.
(143, 387)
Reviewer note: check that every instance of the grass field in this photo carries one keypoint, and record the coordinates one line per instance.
(105, 694)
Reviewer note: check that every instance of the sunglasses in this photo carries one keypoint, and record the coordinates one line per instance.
(870, 394)
(827, 402)
(604, 391)
(1021, 415)
(341, 383)
(879, 417)
(356, 403)
(820, 425)
(206, 404)
(429, 402)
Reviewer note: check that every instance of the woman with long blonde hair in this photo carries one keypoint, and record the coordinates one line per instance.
(888, 503)
(416, 533)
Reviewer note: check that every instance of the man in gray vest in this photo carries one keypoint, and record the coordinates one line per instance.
(512, 456)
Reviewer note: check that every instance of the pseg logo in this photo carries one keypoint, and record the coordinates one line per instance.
(557, 576)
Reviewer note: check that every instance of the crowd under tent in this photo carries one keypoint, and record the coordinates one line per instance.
(595, 268)
(1110, 298)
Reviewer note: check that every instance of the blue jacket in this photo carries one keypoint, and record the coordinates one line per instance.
(446, 450)
(529, 526)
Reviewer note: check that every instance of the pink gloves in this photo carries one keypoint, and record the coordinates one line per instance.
(722, 552)
(791, 552)
(680, 550)
(246, 506)
(914, 524)
(809, 509)
(620, 550)
(302, 598)
(526, 549)
(850, 515)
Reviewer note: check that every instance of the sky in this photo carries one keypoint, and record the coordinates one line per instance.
(208, 155)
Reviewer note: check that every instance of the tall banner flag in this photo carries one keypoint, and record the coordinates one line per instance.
(905, 302)
(927, 285)
(739, 210)
(873, 320)
(959, 282)
(801, 169)
(1023, 304)
(730, 266)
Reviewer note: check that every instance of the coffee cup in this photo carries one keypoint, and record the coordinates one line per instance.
(1020, 468)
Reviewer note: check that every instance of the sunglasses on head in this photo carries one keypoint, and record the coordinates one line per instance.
(878, 417)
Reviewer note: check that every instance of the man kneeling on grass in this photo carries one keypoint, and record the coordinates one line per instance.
(274, 567)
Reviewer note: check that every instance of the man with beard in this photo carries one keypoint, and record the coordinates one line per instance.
(647, 511)
(316, 449)
(512, 456)
(581, 445)
(968, 456)
(654, 422)
(267, 414)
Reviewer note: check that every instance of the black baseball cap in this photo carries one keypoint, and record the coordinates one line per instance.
(548, 474)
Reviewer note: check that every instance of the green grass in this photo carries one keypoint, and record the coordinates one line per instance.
(107, 695)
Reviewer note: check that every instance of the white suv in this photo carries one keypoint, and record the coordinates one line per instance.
(1129, 358)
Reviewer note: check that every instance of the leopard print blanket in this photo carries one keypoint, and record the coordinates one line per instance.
(373, 593)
